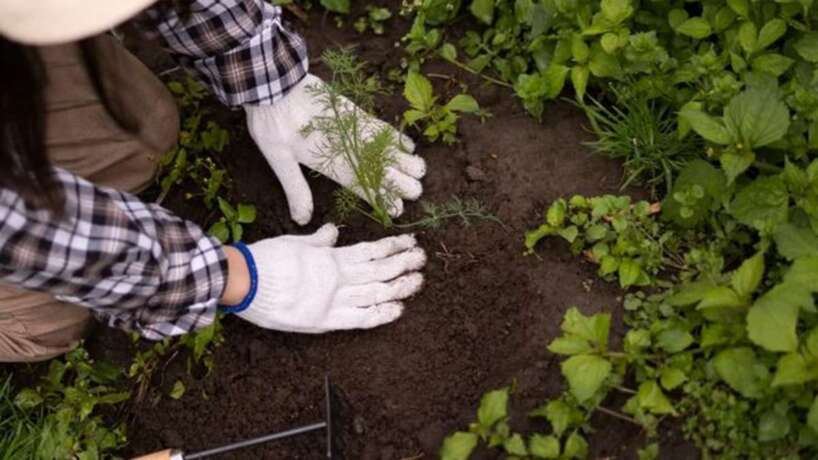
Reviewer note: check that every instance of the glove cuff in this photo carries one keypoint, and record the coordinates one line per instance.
(251, 294)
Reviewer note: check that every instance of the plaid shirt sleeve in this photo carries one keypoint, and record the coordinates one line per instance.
(137, 266)
(240, 48)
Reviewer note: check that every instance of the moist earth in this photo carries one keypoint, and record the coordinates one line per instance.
(483, 320)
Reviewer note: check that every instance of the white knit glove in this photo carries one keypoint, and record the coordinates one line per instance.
(277, 131)
(305, 284)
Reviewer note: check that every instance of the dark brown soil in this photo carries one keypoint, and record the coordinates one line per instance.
(483, 320)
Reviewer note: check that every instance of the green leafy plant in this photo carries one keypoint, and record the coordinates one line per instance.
(435, 121)
(374, 20)
(621, 236)
(201, 345)
(59, 417)
(230, 224)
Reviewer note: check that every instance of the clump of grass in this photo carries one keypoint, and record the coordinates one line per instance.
(345, 127)
(18, 434)
(643, 133)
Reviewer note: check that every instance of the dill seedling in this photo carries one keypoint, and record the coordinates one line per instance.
(353, 138)
(467, 211)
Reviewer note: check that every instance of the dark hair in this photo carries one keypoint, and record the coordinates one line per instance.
(24, 164)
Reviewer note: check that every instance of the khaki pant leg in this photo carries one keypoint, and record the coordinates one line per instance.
(83, 138)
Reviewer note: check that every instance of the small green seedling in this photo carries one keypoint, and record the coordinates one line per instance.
(374, 20)
(436, 121)
(230, 223)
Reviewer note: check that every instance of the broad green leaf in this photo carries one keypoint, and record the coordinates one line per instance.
(576, 447)
(418, 91)
(515, 445)
(555, 75)
(674, 340)
(610, 42)
(772, 63)
(652, 399)
(412, 116)
(629, 273)
(706, 126)
(544, 446)
(569, 233)
(762, 204)
(670, 378)
(463, 103)
(748, 36)
(246, 214)
(795, 241)
(594, 328)
(27, 399)
(676, 17)
(735, 163)
(741, 7)
(807, 46)
(483, 10)
(579, 79)
(579, 49)
(559, 414)
(803, 273)
(812, 417)
(336, 6)
(773, 426)
(458, 446)
(740, 368)
(178, 390)
(227, 209)
(794, 369)
(771, 32)
(585, 375)
(720, 297)
(690, 293)
(493, 407)
(448, 52)
(220, 231)
(773, 317)
(757, 117)
(602, 64)
(569, 345)
(747, 278)
(724, 19)
(555, 216)
(697, 28)
(616, 11)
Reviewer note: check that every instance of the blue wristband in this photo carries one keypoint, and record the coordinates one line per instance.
(251, 266)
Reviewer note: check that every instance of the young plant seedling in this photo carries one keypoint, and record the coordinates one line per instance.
(230, 223)
(374, 20)
(434, 120)
(343, 126)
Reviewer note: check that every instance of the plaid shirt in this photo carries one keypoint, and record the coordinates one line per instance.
(134, 264)
(237, 47)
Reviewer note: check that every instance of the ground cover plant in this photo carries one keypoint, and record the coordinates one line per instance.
(694, 296)
(720, 336)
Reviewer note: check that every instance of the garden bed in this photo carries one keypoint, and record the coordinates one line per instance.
(482, 321)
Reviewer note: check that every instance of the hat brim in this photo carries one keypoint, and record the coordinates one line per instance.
(49, 22)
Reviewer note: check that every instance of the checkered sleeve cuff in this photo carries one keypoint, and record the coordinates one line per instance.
(239, 48)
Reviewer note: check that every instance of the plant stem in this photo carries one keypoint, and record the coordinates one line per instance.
(479, 74)
(618, 415)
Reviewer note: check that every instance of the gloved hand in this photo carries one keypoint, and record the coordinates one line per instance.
(276, 130)
(305, 284)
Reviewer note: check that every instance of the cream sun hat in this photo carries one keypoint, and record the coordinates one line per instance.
(48, 22)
